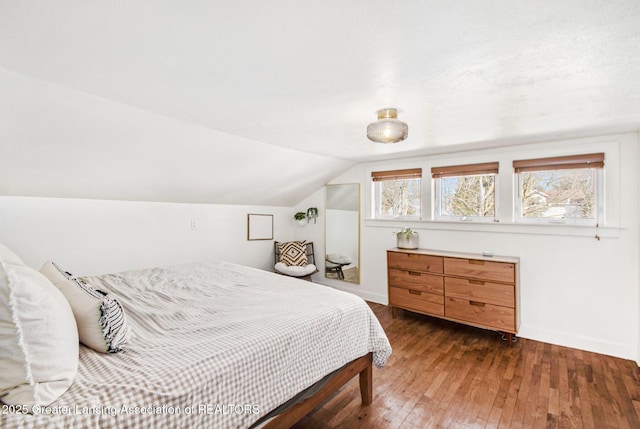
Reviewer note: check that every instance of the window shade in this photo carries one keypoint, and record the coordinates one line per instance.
(592, 160)
(465, 170)
(411, 173)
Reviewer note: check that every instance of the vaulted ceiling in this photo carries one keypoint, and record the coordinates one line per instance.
(261, 102)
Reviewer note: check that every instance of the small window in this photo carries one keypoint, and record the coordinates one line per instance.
(465, 192)
(396, 193)
(566, 189)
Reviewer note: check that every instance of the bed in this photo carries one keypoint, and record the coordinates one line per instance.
(221, 345)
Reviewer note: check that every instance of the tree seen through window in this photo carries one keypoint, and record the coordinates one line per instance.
(399, 197)
(468, 196)
(564, 194)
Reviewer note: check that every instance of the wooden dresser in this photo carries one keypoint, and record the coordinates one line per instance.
(467, 288)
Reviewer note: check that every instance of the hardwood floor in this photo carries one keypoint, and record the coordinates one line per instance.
(446, 375)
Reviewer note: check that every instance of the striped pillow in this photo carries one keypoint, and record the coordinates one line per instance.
(102, 324)
(293, 253)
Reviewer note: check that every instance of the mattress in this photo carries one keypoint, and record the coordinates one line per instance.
(214, 344)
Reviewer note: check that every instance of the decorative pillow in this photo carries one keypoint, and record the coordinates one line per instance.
(38, 337)
(293, 253)
(102, 324)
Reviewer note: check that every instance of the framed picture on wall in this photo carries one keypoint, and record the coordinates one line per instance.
(259, 227)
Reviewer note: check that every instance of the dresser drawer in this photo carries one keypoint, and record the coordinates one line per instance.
(480, 269)
(479, 290)
(414, 262)
(487, 315)
(419, 301)
(416, 280)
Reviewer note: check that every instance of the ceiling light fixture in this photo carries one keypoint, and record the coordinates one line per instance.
(387, 129)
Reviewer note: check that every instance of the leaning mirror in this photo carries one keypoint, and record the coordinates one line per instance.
(342, 232)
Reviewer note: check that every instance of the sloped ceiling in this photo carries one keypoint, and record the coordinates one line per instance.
(254, 102)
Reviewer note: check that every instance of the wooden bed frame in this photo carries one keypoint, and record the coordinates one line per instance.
(362, 366)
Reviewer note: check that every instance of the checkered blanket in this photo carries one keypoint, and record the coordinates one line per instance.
(216, 345)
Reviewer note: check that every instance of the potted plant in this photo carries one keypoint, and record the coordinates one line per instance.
(312, 213)
(407, 238)
(300, 217)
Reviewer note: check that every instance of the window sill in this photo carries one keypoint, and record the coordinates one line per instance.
(501, 227)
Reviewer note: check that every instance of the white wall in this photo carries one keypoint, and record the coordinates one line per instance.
(575, 290)
(94, 236)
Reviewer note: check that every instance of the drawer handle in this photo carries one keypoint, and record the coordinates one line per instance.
(476, 262)
(415, 292)
(414, 273)
(476, 282)
(476, 303)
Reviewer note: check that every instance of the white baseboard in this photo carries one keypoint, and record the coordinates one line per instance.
(590, 344)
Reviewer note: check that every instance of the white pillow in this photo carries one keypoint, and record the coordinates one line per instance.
(294, 270)
(38, 337)
(102, 324)
(8, 256)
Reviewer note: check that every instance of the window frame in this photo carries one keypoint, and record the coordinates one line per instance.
(393, 175)
(593, 161)
(464, 170)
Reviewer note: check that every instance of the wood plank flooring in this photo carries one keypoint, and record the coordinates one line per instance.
(446, 375)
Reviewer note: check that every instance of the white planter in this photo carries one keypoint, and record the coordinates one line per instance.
(407, 243)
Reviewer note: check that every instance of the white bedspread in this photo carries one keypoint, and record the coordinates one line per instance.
(216, 345)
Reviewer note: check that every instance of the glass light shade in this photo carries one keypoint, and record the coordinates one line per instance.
(387, 129)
